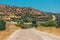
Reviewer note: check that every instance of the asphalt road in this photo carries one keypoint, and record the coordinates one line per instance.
(31, 34)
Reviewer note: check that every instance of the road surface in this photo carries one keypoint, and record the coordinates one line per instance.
(31, 34)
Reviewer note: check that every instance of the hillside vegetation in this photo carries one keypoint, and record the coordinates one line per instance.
(12, 12)
(16, 18)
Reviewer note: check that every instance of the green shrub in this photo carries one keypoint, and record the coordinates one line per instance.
(49, 23)
(34, 24)
(20, 24)
(26, 25)
(58, 24)
(2, 24)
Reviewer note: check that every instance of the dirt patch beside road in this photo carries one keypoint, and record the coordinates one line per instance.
(51, 30)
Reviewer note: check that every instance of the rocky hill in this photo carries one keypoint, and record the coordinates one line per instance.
(8, 12)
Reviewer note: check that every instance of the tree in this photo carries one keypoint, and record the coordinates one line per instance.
(34, 24)
(2, 24)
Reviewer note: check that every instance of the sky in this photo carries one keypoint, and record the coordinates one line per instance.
(42, 5)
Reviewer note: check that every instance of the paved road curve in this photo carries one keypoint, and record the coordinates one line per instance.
(31, 34)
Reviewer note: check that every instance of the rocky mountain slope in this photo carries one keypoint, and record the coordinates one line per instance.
(7, 12)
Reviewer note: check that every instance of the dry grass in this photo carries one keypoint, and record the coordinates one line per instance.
(6, 33)
(52, 30)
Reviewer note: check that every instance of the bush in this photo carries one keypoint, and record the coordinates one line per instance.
(49, 23)
(26, 25)
(58, 24)
(34, 24)
(2, 24)
(20, 24)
